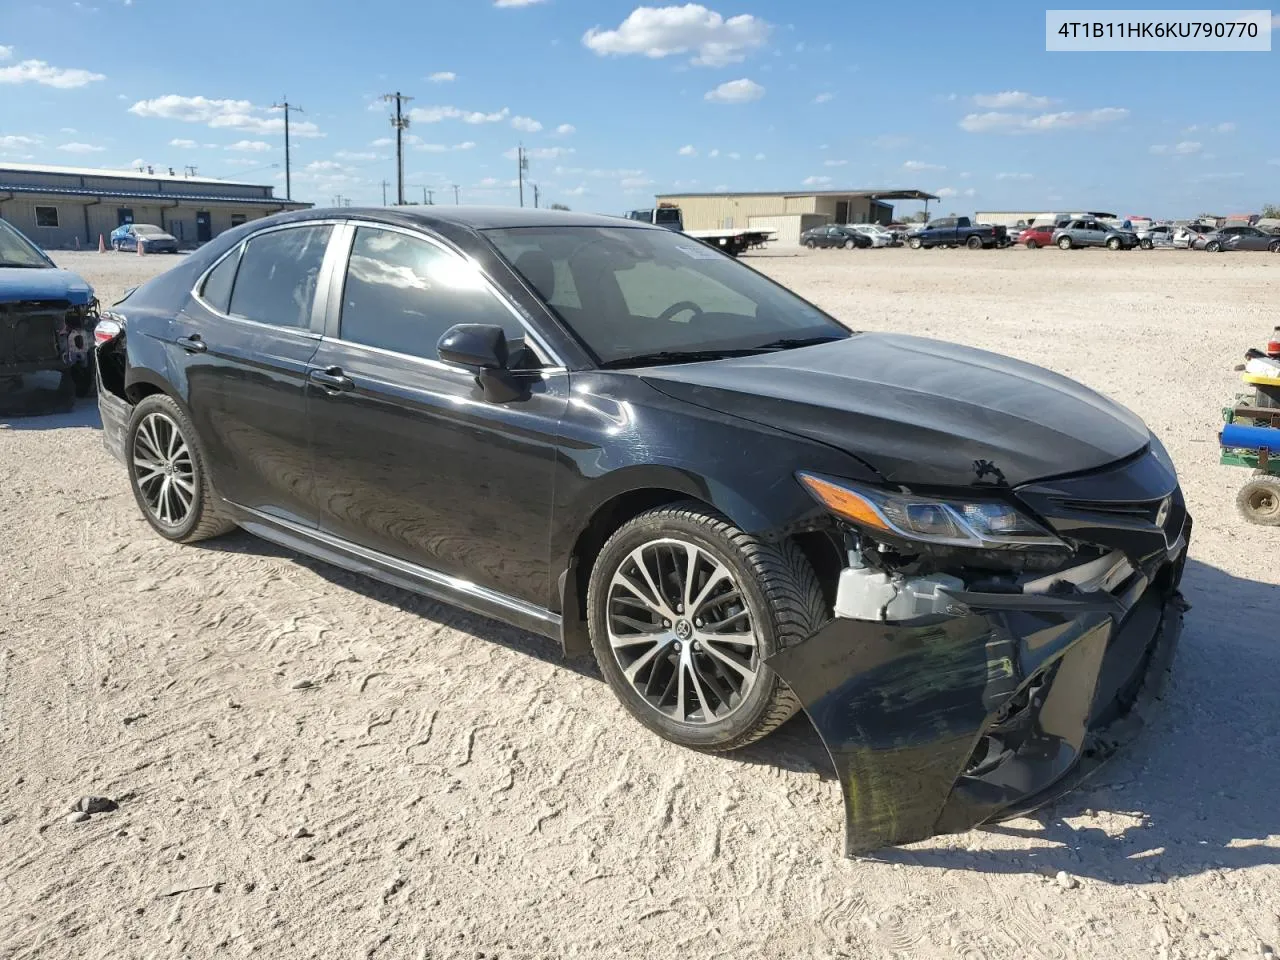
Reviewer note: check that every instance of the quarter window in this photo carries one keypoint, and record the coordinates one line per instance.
(402, 293)
(276, 282)
(217, 286)
(46, 216)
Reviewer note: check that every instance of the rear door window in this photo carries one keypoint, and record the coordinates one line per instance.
(276, 282)
(217, 285)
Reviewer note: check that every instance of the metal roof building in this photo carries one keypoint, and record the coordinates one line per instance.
(64, 207)
(788, 213)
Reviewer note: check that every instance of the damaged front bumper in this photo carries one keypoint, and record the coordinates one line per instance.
(941, 723)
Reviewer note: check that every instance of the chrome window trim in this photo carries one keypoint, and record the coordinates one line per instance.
(321, 296)
(556, 363)
(437, 364)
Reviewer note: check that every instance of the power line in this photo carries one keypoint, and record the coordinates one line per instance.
(401, 124)
(286, 106)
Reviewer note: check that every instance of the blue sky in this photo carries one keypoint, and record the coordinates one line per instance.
(617, 101)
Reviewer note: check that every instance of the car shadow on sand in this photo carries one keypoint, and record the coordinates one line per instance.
(43, 409)
(1196, 792)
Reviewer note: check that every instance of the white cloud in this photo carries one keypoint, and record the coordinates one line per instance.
(834, 163)
(662, 31)
(324, 166)
(16, 145)
(921, 165)
(1183, 149)
(721, 188)
(1010, 99)
(566, 129)
(577, 191)
(946, 192)
(68, 130)
(816, 181)
(541, 153)
(359, 155)
(824, 98)
(239, 115)
(515, 3)
(970, 192)
(527, 124)
(37, 71)
(734, 155)
(1010, 176)
(443, 76)
(735, 91)
(444, 148)
(759, 156)
(633, 183)
(75, 147)
(184, 144)
(713, 154)
(436, 114)
(250, 146)
(999, 122)
(1227, 127)
(382, 142)
(5, 52)
(688, 150)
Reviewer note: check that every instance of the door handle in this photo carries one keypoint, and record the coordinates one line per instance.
(192, 344)
(331, 379)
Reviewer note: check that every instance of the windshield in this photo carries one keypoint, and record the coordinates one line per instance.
(17, 251)
(633, 293)
(667, 215)
(146, 230)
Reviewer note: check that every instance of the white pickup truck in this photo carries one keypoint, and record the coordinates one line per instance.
(731, 241)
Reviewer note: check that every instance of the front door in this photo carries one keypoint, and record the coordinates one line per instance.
(411, 459)
(204, 226)
(242, 347)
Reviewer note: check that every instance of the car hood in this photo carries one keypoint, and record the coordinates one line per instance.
(151, 237)
(23, 283)
(918, 411)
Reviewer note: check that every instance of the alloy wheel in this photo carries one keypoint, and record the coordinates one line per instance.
(681, 632)
(164, 470)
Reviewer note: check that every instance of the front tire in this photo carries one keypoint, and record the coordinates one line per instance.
(915, 243)
(1032, 245)
(1114, 243)
(168, 476)
(684, 608)
(1064, 243)
(1213, 247)
(811, 244)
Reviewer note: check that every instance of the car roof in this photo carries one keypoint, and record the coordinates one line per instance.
(476, 218)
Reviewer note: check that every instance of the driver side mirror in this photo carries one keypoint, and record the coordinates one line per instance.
(479, 346)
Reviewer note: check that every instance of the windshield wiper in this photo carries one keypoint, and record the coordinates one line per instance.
(23, 266)
(793, 342)
(723, 353)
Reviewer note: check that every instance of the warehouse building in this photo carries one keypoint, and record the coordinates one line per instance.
(788, 214)
(68, 207)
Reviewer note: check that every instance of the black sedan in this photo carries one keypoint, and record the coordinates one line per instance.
(835, 235)
(964, 568)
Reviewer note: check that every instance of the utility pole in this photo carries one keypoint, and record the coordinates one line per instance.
(401, 123)
(456, 201)
(190, 169)
(384, 192)
(286, 106)
(522, 164)
(535, 195)
(428, 196)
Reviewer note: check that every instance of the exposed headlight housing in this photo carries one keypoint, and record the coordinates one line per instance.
(980, 524)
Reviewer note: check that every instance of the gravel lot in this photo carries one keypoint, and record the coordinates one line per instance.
(445, 786)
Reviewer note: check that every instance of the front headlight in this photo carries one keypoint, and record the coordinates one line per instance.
(982, 524)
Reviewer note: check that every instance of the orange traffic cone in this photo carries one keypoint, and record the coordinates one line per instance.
(102, 244)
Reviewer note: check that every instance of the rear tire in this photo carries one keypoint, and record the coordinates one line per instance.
(914, 243)
(168, 476)
(1064, 243)
(850, 245)
(811, 244)
(1274, 246)
(1032, 245)
(1146, 244)
(1213, 247)
(1259, 501)
(974, 243)
(681, 683)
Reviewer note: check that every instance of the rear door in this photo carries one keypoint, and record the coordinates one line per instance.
(411, 459)
(242, 345)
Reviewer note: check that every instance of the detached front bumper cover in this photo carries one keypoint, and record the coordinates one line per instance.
(940, 724)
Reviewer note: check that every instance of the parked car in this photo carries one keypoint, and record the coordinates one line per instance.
(1160, 235)
(1088, 232)
(152, 239)
(604, 432)
(957, 232)
(1237, 238)
(47, 317)
(1187, 234)
(901, 230)
(878, 235)
(1036, 236)
(834, 235)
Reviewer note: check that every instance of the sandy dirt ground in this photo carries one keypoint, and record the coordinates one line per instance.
(310, 764)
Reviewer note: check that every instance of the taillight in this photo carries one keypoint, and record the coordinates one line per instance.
(107, 330)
